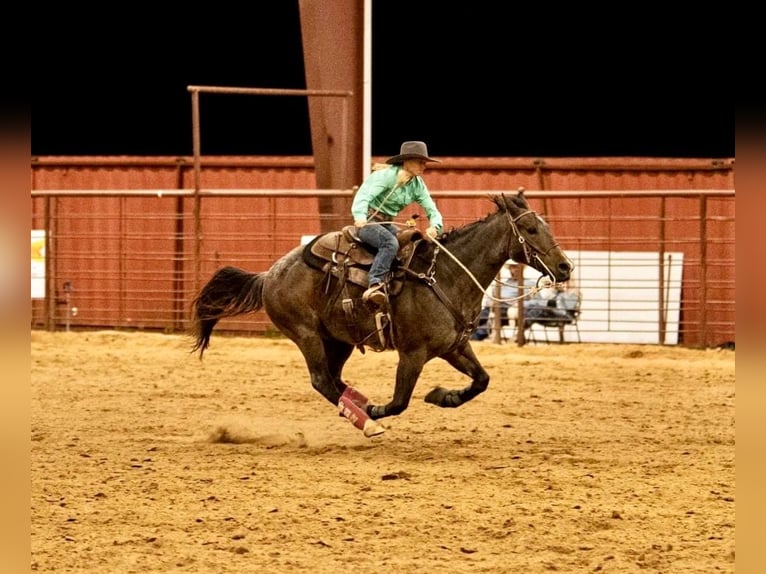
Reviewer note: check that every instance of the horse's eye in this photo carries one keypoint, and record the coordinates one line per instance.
(532, 230)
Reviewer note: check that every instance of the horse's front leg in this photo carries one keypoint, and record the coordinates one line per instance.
(407, 373)
(325, 360)
(465, 361)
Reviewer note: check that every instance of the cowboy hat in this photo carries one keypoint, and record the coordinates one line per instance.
(412, 150)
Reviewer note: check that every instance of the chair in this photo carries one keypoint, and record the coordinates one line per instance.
(557, 312)
(549, 307)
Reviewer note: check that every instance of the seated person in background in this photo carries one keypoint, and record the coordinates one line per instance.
(554, 305)
(508, 291)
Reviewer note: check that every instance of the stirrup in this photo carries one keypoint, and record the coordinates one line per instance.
(375, 295)
(382, 321)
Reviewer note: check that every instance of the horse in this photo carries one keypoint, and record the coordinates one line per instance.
(435, 292)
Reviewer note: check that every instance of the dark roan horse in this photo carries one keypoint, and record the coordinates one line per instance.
(435, 296)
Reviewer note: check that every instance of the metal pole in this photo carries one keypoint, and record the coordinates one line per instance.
(497, 320)
(517, 272)
(195, 92)
(196, 203)
(68, 303)
(661, 283)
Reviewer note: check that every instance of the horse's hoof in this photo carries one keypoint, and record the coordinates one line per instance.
(372, 428)
(435, 395)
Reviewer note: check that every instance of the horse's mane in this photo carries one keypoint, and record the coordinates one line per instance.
(456, 233)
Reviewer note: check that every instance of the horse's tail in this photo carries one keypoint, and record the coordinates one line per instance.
(230, 291)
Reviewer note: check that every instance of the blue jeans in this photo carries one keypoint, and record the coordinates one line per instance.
(381, 236)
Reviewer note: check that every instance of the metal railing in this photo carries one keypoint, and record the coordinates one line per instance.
(135, 258)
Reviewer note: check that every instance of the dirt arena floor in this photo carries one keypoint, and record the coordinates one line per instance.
(579, 458)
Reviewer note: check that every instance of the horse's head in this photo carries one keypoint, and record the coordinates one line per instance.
(531, 240)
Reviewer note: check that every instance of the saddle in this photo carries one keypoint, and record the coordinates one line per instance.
(345, 257)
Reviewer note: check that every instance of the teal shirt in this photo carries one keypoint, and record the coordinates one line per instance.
(375, 193)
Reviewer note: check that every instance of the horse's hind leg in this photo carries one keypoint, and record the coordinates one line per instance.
(465, 361)
(337, 354)
(325, 363)
(325, 360)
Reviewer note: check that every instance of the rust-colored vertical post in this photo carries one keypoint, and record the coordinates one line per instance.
(50, 252)
(122, 266)
(333, 34)
(703, 271)
(178, 256)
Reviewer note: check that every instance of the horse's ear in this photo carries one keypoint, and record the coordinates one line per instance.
(522, 199)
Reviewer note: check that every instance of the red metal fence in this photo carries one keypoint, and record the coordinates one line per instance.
(134, 258)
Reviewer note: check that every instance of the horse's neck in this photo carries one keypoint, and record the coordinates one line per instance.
(482, 251)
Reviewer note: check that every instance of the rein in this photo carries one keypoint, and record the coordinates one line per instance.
(525, 245)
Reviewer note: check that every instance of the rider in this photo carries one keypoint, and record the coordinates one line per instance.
(380, 198)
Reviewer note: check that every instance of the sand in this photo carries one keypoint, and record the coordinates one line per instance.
(578, 458)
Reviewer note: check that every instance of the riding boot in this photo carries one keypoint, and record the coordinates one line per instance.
(375, 295)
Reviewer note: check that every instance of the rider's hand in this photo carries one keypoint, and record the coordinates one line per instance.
(360, 223)
(431, 232)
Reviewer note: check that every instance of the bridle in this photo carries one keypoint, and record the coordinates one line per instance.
(531, 251)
